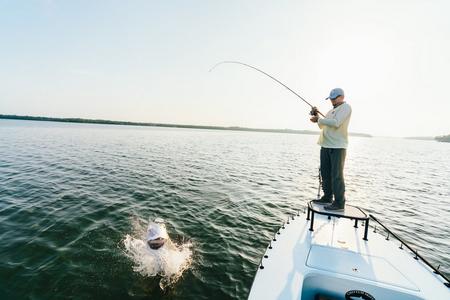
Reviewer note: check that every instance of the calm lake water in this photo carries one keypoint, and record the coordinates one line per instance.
(72, 193)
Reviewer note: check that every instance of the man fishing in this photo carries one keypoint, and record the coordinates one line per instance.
(333, 141)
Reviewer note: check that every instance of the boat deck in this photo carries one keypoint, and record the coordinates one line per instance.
(334, 259)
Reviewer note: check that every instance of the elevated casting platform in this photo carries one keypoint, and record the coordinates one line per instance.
(349, 212)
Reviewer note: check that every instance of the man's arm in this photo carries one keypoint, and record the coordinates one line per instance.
(338, 118)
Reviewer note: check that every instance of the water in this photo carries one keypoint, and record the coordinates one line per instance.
(71, 195)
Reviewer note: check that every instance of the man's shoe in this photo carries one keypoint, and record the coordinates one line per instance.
(335, 207)
(322, 201)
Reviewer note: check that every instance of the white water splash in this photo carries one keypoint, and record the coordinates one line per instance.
(169, 262)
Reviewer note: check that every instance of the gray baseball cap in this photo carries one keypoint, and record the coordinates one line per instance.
(335, 93)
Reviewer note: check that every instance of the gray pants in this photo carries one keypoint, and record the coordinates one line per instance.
(332, 172)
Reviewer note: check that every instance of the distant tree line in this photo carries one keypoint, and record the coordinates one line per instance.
(110, 122)
(443, 138)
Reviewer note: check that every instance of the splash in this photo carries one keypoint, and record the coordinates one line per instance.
(169, 262)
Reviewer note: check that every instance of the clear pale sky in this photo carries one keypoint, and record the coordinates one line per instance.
(148, 61)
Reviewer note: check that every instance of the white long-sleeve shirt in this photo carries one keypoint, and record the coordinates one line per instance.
(334, 133)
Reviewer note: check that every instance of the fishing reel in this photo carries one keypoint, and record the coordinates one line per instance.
(314, 111)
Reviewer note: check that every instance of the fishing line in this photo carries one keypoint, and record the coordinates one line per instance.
(273, 78)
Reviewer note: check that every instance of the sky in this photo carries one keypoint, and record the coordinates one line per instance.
(149, 61)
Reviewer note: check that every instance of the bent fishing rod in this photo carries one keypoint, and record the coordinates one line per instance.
(314, 110)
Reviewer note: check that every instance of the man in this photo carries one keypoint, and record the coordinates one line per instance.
(333, 141)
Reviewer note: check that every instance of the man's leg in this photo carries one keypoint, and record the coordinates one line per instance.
(337, 175)
(325, 172)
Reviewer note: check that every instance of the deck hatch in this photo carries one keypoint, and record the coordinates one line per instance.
(357, 265)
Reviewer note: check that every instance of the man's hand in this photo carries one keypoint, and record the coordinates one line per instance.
(314, 119)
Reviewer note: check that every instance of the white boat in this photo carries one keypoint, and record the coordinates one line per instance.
(327, 256)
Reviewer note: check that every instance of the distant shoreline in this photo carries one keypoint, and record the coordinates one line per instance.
(126, 123)
(442, 138)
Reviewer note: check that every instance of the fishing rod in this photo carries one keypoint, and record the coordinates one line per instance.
(314, 110)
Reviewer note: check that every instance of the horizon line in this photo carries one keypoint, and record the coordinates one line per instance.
(169, 125)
